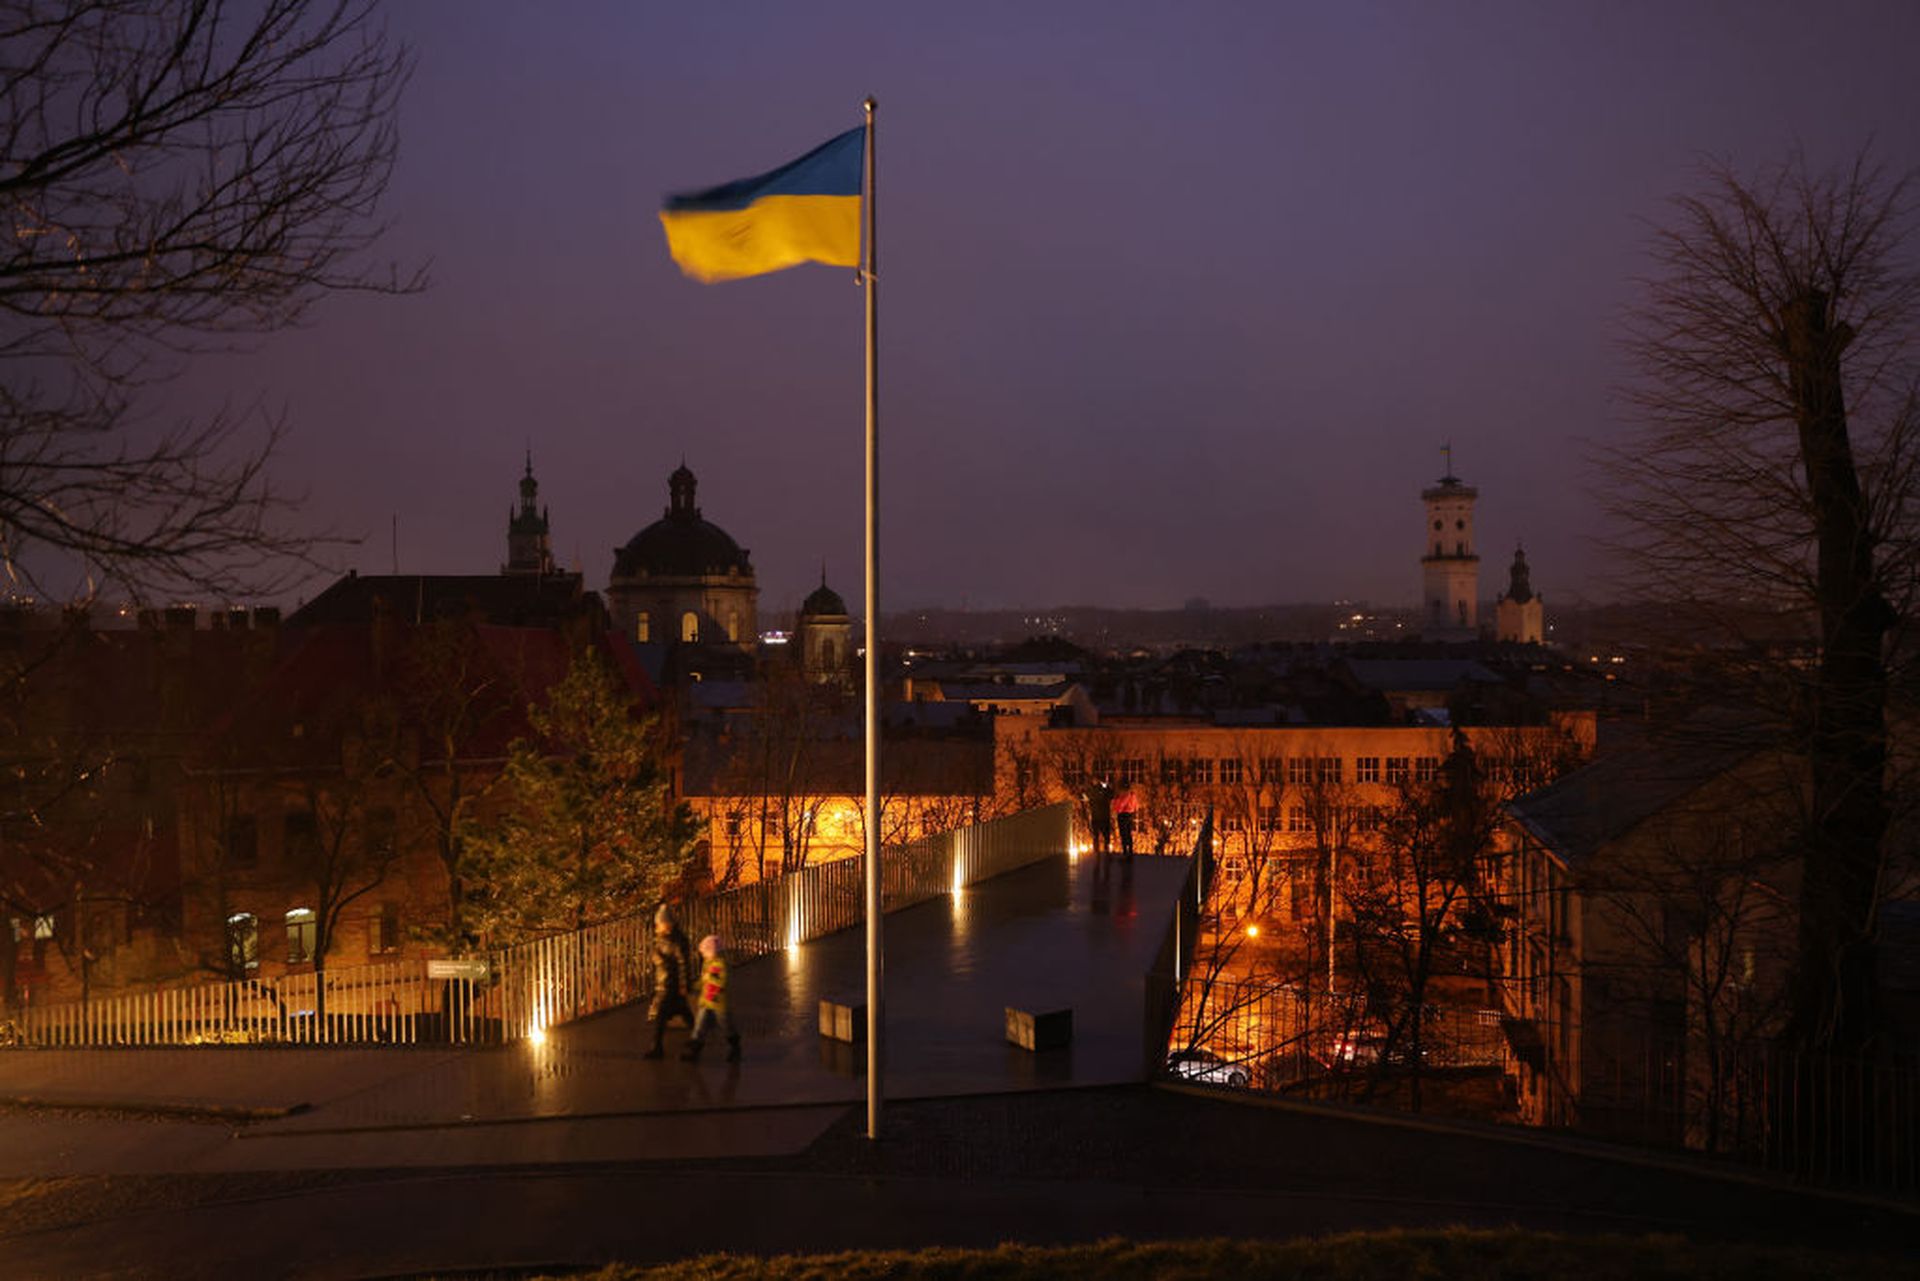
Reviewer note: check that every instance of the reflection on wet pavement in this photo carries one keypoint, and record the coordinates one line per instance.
(1058, 934)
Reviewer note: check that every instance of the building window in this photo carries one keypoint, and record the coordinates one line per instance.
(1133, 769)
(1300, 769)
(1367, 818)
(1233, 868)
(1327, 768)
(733, 827)
(1399, 769)
(1232, 823)
(1169, 770)
(1426, 768)
(733, 628)
(1271, 769)
(1200, 771)
(380, 834)
(1073, 775)
(1269, 818)
(1230, 771)
(1297, 820)
(1366, 769)
(643, 628)
(42, 928)
(300, 836)
(241, 841)
(243, 943)
(689, 627)
(383, 931)
(300, 930)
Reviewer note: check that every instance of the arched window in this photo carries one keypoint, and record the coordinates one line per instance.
(689, 627)
(643, 628)
(243, 943)
(733, 627)
(300, 940)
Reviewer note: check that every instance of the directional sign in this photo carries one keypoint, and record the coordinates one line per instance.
(472, 969)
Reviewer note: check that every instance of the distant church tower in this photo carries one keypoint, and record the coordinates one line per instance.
(1450, 570)
(1521, 615)
(824, 636)
(528, 550)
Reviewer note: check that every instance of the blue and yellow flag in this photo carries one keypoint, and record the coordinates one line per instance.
(806, 211)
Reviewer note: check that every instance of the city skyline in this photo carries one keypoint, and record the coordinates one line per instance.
(1179, 305)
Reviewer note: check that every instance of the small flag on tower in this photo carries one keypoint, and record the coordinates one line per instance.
(804, 211)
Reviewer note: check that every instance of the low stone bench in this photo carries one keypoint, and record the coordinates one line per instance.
(843, 1021)
(1038, 1030)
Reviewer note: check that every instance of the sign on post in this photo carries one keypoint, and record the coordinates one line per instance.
(474, 969)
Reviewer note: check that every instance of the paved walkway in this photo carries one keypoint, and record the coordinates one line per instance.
(1057, 934)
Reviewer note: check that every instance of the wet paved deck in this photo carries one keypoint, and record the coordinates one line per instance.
(1057, 934)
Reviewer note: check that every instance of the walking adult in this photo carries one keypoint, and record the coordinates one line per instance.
(1126, 807)
(671, 960)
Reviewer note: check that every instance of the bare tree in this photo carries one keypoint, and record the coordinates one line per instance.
(176, 173)
(1767, 499)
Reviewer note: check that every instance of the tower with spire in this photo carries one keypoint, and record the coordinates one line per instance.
(1450, 569)
(529, 550)
(1521, 615)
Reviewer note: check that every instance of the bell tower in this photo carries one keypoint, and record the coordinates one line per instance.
(528, 548)
(1450, 569)
(1521, 614)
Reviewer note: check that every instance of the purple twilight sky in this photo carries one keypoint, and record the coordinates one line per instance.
(1178, 300)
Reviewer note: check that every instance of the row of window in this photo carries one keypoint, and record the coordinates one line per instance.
(689, 628)
(1299, 771)
(243, 936)
(1298, 818)
(300, 836)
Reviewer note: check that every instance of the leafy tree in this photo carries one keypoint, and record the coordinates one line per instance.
(176, 173)
(1767, 497)
(582, 827)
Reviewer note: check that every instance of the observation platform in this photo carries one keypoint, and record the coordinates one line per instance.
(1062, 933)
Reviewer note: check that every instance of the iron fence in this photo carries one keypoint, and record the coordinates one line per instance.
(522, 990)
(1824, 1120)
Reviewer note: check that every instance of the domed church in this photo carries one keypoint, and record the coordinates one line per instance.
(683, 580)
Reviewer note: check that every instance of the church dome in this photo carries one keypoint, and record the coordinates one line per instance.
(681, 544)
(823, 600)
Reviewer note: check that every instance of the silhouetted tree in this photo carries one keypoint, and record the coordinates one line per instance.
(175, 173)
(1767, 498)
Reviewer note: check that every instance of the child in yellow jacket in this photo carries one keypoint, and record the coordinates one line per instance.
(712, 990)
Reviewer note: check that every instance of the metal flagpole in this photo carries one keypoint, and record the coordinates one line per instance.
(875, 916)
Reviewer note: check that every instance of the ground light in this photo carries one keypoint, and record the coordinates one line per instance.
(537, 1036)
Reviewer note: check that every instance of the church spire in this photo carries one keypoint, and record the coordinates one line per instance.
(528, 548)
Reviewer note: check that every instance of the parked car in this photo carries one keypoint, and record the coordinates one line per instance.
(1207, 1068)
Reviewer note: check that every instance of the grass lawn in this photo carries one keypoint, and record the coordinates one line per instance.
(1369, 1256)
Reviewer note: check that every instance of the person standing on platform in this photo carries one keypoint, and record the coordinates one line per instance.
(1126, 807)
(671, 961)
(1100, 815)
(713, 1003)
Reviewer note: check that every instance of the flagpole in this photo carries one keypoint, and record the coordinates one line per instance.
(875, 915)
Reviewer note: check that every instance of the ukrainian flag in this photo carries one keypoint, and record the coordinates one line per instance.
(806, 211)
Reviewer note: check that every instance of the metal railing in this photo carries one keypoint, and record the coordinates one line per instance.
(392, 1004)
(522, 990)
(1175, 957)
(1821, 1119)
